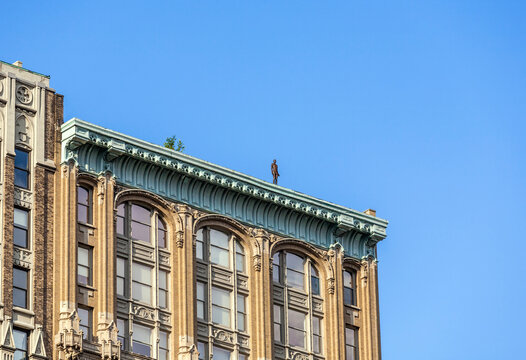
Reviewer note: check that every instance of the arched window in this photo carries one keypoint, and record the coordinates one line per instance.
(222, 293)
(84, 205)
(143, 279)
(298, 306)
(349, 287)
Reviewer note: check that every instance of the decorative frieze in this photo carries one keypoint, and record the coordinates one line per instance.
(22, 257)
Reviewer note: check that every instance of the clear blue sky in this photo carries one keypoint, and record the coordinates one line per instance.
(414, 108)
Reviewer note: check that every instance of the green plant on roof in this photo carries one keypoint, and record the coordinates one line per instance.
(173, 143)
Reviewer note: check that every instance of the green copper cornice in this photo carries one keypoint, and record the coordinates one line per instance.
(183, 178)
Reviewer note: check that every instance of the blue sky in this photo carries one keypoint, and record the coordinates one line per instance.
(413, 108)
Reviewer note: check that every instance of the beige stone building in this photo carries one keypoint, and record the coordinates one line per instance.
(113, 247)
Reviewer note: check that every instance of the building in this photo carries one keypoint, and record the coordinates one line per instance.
(134, 251)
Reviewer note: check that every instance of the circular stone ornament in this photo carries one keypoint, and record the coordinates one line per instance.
(23, 94)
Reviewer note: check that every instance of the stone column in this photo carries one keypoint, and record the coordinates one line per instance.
(260, 297)
(183, 284)
(7, 251)
(104, 267)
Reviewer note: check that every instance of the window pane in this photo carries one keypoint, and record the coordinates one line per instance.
(82, 213)
(140, 214)
(241, 322)
(83, 256)
(316, 326)
(21, 344)
(20, 298)
(140, 231)
(142, 293)
(219, 256)
(121, 265)
(163, 299)
(219, 239)
(161, 234)
(120, 286)
(294, 262)
(83, 316)
(162, 280)
(347, 296)
(349, 336)
(241, 303)
(20, 237)
(201, 349)
(121, 326)
(347, 279)
(199, 250)
(20, 278)
(120, 210)
(21, 178)
(141, 349)
(316, 344)
(315, 285)
(277, 332)
(295, 279)
(221, 354)
(221, 297)
(82, 196)
(296, 338)
(142, 273)
(221, 316)
(21, 217)
(349, 353)
(120, 226)
(240, 262)
(141, 333)
(200, 291)
(296, 319)
(163, 339)
(21, 159)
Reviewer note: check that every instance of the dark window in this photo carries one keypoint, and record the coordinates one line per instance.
(21, 228)
(22, 168)
(316, 335)
(84, 205)
(85, 315)
(121, 217)
(314, 281)
(20, 287)
(351, 344)
(349, 287)
(276, 268)
(21, 344)
(278, 321)
(295, 271)
(161, 234)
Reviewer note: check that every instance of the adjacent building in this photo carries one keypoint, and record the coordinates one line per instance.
(113, 247)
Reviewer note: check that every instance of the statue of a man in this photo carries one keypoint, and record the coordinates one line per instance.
(275, 173)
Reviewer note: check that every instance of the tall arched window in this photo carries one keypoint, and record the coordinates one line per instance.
(142, 280)
(222, 293)
(298, 306)
(84, 205)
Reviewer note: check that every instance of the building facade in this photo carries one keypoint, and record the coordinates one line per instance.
(149, 253)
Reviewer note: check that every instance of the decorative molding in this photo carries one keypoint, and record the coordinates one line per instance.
(184, 179)
(223, 336)
(37, 338)
(143, 312)
(23, 198)
(22, 257)
(179, 239)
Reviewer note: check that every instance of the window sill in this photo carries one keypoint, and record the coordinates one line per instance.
(91, 226)
(23, 311)
(87, 287)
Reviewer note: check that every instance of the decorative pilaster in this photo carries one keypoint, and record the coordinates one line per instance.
(183, 283)
(104, 266)
(334, 303)
(68, 338)
(261, 297)
(368, 293)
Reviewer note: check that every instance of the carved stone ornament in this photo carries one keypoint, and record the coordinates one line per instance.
(22, 257)
(23, 198)
(257, 262)
(143, 313)
(293, 355)
(222, 335)
(38, 341)
(179, 239)
(69, 338)
(23, 94)
(22, 131)
(110, 345)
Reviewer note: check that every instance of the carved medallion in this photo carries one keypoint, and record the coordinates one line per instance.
(23, 94)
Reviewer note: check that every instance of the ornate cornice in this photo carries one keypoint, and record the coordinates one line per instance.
(80, 136)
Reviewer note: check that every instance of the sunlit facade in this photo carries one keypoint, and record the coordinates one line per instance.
(154, 254)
